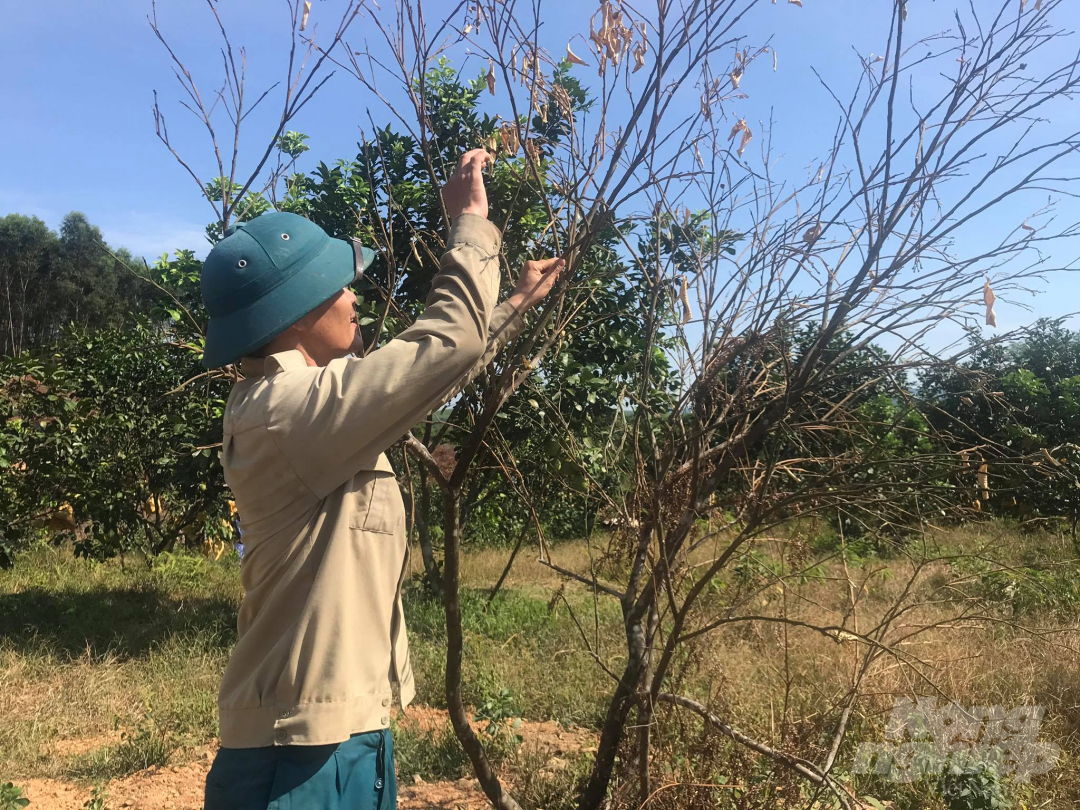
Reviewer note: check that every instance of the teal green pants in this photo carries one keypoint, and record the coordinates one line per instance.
(357, 774)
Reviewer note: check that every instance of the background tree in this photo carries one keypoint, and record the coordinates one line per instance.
(48, 281)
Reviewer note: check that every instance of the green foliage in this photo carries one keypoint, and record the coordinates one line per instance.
(11, 797)
(1018, 400)
(293, 144)
(100, 430)
(972, 785)
(1023, 590)
(99, 798)
(500, 712)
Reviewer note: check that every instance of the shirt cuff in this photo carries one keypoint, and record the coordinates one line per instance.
(471, 229)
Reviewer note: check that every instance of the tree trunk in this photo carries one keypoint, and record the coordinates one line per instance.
(432, 574)
(485, 774)
(509, 565)
(615, 721)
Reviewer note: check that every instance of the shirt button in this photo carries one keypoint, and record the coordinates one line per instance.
(281, 735)
(386, 701)
(378, 784)
(385, 721)
(285, 713)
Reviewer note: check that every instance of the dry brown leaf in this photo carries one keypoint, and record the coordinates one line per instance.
(1026, 227)
(984, 482)
(706, 110)
(639, 57)
(904, 12)
(747, 135)
(697, 152)
(774, 60)
(465, 31)
(573, 58)
(511, 139)
(684, 296)
(736, 77)
(795, 3)
(307, 10)
(1038, 5)
(989, 298)
(811, 235)
(491, 76)
(1050, 457)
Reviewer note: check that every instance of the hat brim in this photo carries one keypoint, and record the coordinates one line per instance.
(338, 265)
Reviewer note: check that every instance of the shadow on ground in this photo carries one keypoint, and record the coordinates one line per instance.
(125, 622)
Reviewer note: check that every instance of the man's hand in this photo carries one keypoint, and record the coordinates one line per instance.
(464, 192)
(535, 282)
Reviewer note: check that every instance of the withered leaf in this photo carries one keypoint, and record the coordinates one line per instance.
(989, 298)
(511, 139)
(747, 135)
(984, 482)
(774, 60)
(684, 296)
(903, 12)
(307, 10)
(1026, 227)
(491, 76)
(796, 3)
(573, 58)
(697, 152)
(736, 77)
(466, 29)
(812, 233)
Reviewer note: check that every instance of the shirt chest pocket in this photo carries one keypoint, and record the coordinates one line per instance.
(378, 506)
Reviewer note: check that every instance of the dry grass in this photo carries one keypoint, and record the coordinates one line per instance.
(94, 658)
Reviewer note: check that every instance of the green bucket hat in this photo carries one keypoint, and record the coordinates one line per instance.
(268, 273)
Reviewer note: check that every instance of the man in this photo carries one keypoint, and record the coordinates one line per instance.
(305, 702)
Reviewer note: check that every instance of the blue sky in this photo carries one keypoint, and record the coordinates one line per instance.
(79, 77)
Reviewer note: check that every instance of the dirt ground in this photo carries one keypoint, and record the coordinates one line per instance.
(179, 787)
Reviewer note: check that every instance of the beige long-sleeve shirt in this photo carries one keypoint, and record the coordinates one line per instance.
(321, 630)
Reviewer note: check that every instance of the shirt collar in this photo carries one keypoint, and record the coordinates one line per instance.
(287, 360)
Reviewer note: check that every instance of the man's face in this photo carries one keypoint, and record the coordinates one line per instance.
(331, 330)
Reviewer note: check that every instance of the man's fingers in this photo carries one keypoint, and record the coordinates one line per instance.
(545, 266)
(474, 160)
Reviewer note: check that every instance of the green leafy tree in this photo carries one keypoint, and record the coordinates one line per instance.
(1016, 407)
